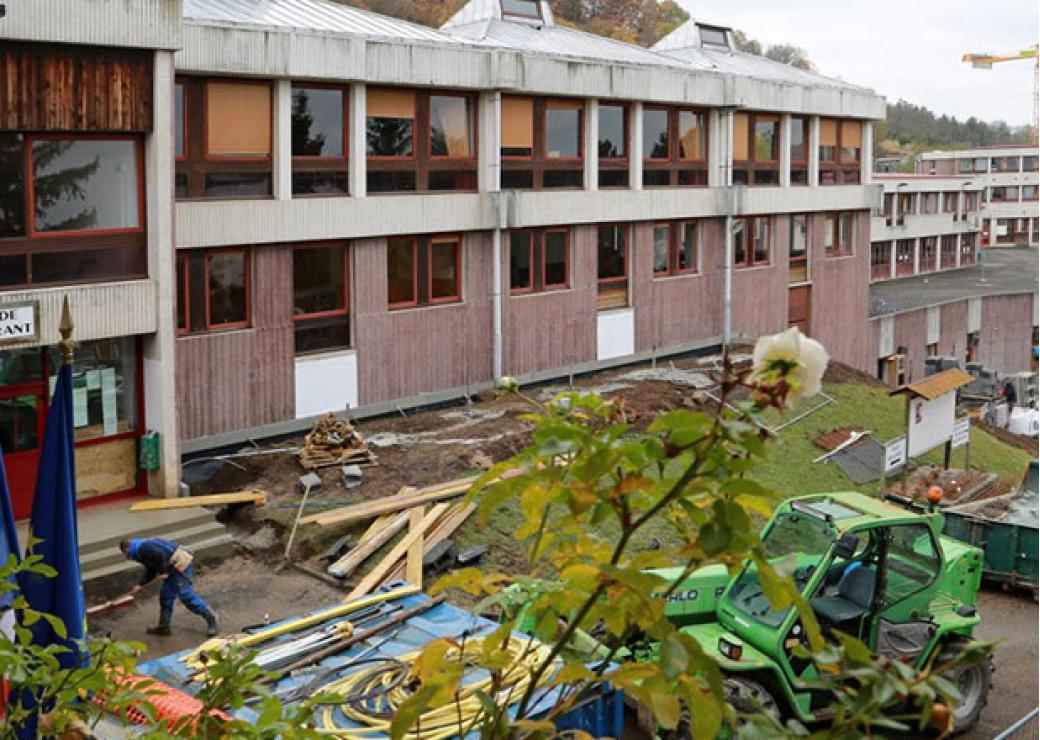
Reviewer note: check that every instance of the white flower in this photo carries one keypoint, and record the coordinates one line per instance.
(792, 357)
(508, 384)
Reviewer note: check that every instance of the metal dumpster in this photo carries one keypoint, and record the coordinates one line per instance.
(1005, 528)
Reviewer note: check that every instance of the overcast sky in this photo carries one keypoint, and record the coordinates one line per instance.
(908, 49)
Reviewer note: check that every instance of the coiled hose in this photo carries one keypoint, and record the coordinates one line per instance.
(373, 695)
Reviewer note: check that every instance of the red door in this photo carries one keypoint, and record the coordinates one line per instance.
(23, 410)
(21, 433)
(798, 308)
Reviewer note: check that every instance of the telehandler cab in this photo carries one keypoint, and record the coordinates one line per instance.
(869, 568)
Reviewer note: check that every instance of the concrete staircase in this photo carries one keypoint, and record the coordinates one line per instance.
(104, 569)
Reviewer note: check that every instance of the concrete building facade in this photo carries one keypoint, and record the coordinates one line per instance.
(1009, 178)
(85, 213)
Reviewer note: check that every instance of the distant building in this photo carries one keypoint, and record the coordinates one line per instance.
(926, 224)
(1010, 180)
(887, 164)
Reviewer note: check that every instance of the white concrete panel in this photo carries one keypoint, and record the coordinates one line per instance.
(155, 24)
(153, 395)
(98, 311)
(932, 328)
(974, 314)
(615, 333)
(886, 336)
(326, 382)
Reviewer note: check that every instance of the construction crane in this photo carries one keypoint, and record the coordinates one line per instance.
(987, 60)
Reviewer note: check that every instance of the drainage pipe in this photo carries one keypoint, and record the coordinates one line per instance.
(727, 269)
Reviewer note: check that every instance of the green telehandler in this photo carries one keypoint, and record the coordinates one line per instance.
(879, 570)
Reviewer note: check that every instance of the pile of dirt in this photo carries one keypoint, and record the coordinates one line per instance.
(839, 373)
(1026, 444)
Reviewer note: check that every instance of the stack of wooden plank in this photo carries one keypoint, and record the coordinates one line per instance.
(334, 441)
(404, 512)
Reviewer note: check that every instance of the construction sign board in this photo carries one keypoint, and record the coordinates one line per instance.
(961, 431)
(895, 454)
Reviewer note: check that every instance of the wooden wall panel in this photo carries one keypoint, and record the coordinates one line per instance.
(681, 309)
(953, 330)
(74, 88)
(411, 351)
(555, 329)
(1006, 332)
(760, 293)
(239, 379)
(911, 334)
(841, 297)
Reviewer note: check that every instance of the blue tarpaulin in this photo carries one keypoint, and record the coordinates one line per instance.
(601, 717)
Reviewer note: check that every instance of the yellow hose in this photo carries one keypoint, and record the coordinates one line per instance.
(435, 723)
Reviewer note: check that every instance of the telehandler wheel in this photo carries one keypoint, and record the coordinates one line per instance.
(972, 681)
(744, 694)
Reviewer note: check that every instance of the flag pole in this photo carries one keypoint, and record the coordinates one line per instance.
(65, 327)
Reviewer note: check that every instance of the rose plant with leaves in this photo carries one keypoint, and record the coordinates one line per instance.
(587, 487)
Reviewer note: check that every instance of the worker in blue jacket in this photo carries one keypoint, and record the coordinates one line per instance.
(169, 561)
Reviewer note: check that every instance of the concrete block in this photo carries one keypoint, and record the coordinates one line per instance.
(352, 475)
(310, 480)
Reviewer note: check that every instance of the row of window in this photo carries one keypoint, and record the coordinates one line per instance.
(424, 141)
(998, 164)
(911, 204)
(948, 246)
(1010, 194)
(213, 285)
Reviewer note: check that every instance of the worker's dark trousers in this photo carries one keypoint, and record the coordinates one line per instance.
(179, 586)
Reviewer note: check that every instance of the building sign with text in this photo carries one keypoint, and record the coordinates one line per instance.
(19, 322)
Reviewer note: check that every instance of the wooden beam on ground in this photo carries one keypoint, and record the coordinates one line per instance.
(257, 498)
(443, 529)
(390, 504)
(374, 577)
(349, 562)
(414, 557)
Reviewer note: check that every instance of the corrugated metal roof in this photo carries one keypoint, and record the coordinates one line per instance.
(306, 15)
(936, 385)
(559, 41)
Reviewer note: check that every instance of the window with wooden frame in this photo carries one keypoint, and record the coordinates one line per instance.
(613, 145)
(418, 140)
(798, 249)
(799, 150)
(967, 246)
(888, 208)
(904, 257)
(971, 202)
(611, 266)
(542, 143)
(756, 149)
(675, 147)
(321, 298)
(751, 242)
(226, 138)
(1004, 164)
(948, 251)
(676, 244)
(1029, 193)
(1005, 194)
(949, 201)
(907, 203)
(929, 203)
(927, 254)
(423, 270)
(213, 290)
(880, 260)
(839, 234)
(319, 117)
(841, 144)
(1030, 163)
(539, 260)
(71, 209)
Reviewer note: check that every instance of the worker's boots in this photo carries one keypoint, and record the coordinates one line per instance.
(163, 628)
(212, 623)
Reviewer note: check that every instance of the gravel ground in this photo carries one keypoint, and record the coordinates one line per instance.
(1011, 620)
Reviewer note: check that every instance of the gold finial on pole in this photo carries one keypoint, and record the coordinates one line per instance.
(65, 327)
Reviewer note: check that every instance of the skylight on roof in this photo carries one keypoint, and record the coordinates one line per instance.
(714, 37)
(522, 8)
